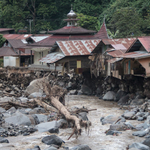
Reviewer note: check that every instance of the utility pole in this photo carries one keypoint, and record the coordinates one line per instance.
(30, 21)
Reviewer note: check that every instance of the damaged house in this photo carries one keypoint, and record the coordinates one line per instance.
(13, 52)
(104, 54)
(71, 55)
(74, 46)
(136, 60)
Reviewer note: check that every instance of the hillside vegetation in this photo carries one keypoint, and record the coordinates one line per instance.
(124, 18)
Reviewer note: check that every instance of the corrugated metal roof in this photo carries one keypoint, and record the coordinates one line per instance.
(135, 54)
(115, 53)
(7, 51)
(50, 41)
(123, 43)
(5, 29)
(38, 38)
(145, 41)
(16, 36)
(72, 30)
(77, 47)
(16, 43)
(52, 57)
(114, 60)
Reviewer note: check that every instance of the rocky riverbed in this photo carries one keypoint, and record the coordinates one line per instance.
(96, 139)
(119, 112)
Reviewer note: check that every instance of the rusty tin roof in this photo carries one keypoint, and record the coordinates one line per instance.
(145, 41)
(135, 54)
(77, 47)
(123, 43)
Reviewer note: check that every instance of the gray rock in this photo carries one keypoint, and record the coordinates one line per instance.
(3, 140)
(37, 110)
(72, 92)
(35, 95)
(81, 147)
(18, 119)
(86, 90)
(119, 127)
(113, 132)
(129, 115)
(2, 110)
(61, 123)
(124, 100)
(52, 139)
(41, 117)
(43, 127)
(109, 96)
(141, 133)
(83, 116)
(51, 148)
(11, 110)
(119, 95)
(137, 102)
(139, 146)
(146, 142)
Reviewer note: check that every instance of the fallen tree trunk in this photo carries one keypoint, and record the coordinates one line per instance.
(56, 95)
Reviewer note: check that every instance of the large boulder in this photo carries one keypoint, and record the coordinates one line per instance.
(3, 140)
(139, 146)
(18, 119)
(141, 133)
(146, 142)
(35, 86)
(109, 96)
(129, 114)
(86, 90)
(43, 127)
(81, 147)
(119, 95)
(52, 139)
(111, 119)
(124, 100)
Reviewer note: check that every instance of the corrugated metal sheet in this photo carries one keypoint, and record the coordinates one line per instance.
(7, 51)
(16, 43)
(77, 47)
(145, 41)
(16, 36)
(115, 53)
(135, 54)
(38, 38)
(123, 43)
(52, 57)
(114, 60)
(50, 41)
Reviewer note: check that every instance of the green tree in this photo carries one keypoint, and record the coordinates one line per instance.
(2, 40)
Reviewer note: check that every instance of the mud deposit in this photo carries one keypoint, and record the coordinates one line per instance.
(96, 139)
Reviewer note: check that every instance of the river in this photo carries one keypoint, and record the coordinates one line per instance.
(96, 139)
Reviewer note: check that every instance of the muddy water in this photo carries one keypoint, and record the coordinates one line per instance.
(96, 139)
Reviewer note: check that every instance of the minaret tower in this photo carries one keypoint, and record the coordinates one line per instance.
(72, 18)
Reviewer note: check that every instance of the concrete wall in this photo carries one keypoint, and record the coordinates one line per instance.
(38, 56)
(11, 61)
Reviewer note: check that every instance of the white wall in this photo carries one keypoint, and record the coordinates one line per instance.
(9, 61)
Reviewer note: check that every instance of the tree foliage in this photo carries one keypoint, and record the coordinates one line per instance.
(124, 17)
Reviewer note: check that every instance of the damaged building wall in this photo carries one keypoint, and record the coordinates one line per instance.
(145, 62)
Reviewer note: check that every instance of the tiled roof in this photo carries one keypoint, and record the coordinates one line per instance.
(71, 30)
(77, 47)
